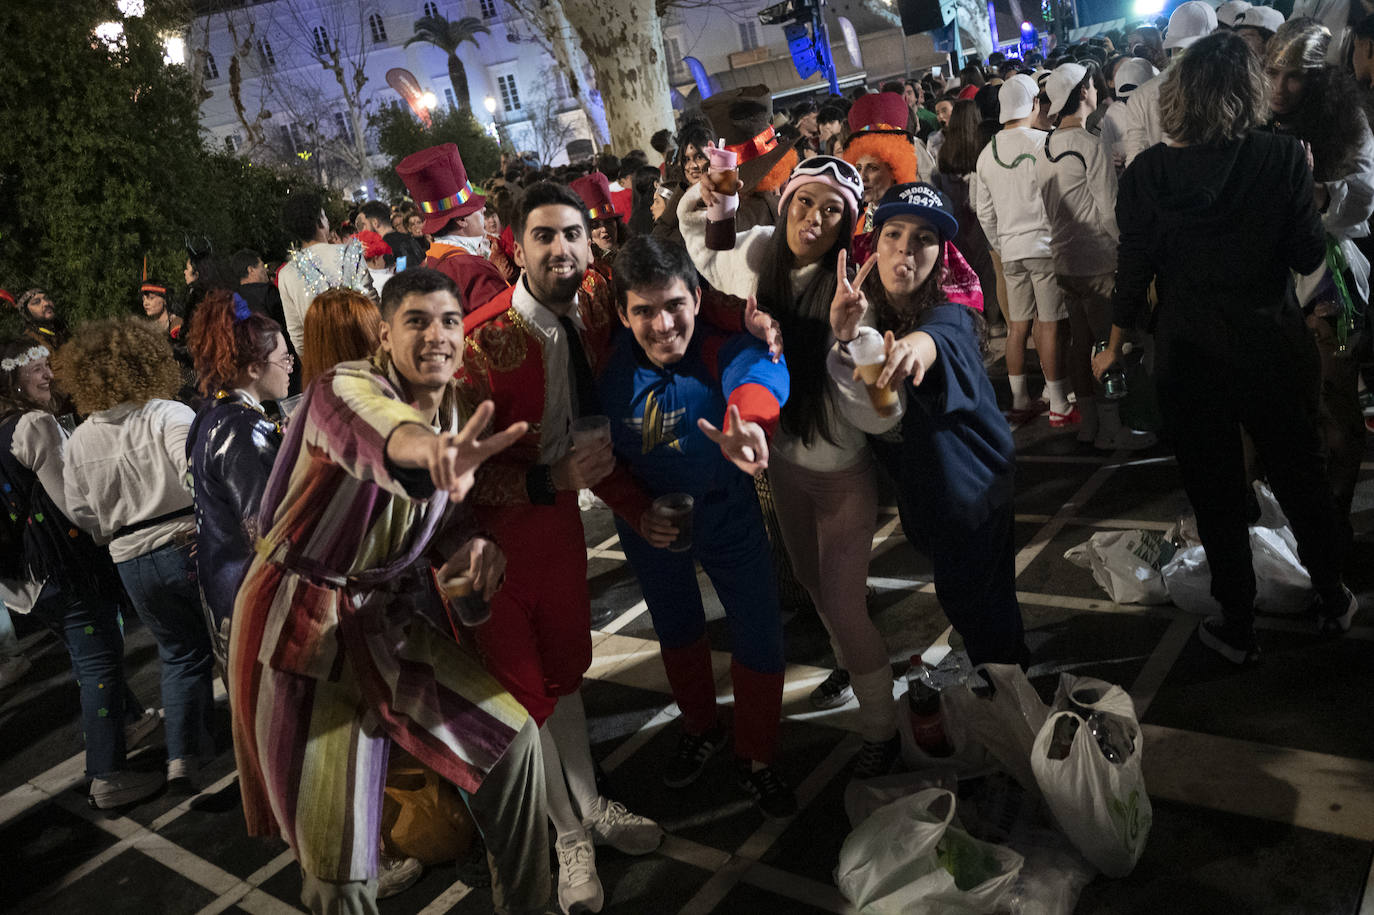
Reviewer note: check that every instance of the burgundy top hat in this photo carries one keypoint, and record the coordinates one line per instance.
(743, 117)
(595, 192)
(879, 112)
(439, 185)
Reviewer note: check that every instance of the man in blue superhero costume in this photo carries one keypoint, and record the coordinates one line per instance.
(665, 386)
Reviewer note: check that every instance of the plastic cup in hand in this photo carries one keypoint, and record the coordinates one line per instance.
(466, 601)
(287, 405)
(869, 355)
(676, 509)
(591, 432)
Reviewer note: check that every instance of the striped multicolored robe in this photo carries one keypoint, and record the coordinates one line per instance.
(339, 644)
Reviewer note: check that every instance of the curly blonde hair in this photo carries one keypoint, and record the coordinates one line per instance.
(115, 361)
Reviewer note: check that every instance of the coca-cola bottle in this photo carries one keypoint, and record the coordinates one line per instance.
(923, 705)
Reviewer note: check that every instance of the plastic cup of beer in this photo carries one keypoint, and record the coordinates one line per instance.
(591, 432)
(466, 601)
(869, 355)
(676, 509)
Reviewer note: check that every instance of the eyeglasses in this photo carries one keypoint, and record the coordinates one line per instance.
(286, 363)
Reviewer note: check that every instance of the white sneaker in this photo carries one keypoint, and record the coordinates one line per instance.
(626, 832)
(125, 787)
(396, 875)
(181, 775)
(579, 889)
(12, 670)
(138, 730)
(1126, 438)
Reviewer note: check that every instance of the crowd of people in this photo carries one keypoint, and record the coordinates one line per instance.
(291, 478)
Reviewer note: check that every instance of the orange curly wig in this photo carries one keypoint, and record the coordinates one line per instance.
(777, 176)
(894, 149)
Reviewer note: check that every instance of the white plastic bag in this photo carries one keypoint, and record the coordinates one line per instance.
(1126, 564)
(1004, 724)
(906, 859)
(1101, 806)
(1282, 585)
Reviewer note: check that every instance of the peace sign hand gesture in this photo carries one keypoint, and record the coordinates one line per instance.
(745, 444)
(848, 307)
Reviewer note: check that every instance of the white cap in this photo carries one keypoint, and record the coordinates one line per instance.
(1016, 98)
(1060, 83)
(1260, 17)
(1228, 11)
(1191, 21)
(1132, 74)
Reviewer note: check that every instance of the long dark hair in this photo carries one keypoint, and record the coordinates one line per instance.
(13, 400)
(1326, 119)
(805, 318)
(963, 139)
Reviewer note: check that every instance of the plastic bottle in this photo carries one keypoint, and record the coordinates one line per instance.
(1064, 729)
(1114, 379)
(923, 705)
(1114, 736)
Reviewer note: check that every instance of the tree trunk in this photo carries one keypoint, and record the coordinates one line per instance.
(458, 75)
(624, 42)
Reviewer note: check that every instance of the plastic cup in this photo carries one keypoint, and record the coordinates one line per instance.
(466, 601)
(287, 405)
(591, 432)
(676, 508)
(869, 356)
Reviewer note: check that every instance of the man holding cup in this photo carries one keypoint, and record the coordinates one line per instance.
(664, 386)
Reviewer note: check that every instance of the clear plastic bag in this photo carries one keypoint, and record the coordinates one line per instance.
(1126, 564)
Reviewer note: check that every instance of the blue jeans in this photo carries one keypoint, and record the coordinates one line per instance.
(162, 585)
(91, 628)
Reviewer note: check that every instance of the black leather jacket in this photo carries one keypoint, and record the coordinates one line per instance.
(231, 446)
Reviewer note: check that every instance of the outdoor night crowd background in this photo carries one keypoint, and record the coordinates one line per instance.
(1025, 199)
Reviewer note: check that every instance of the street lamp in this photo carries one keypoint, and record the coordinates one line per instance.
(429, 100)
(490, 104)
(494, 128)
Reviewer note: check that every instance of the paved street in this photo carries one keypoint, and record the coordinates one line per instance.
(1262, 781)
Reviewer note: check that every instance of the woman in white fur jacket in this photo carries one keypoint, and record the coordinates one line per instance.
(820, 466)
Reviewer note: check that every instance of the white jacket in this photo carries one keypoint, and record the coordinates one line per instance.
(1142, 118)
(1078, 186)
(1006, 197)
(1350, 206)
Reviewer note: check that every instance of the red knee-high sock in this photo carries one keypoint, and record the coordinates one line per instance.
(758, 706)
(693, 683)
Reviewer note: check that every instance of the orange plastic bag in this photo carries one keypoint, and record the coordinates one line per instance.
(423, 816)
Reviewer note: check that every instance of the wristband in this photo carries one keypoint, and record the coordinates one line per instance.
(539, 485)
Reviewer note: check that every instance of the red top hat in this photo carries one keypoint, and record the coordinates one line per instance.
(439, 185)
(595, 192)
(879, 112)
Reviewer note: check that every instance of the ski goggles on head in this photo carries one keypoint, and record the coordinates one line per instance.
(831, 171)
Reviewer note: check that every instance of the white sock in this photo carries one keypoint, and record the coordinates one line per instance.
(1019, 398)
(568, 725)
(1057, 393)
(877, 710)
(565, 820)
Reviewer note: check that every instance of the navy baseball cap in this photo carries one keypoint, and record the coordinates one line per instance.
(920, 200)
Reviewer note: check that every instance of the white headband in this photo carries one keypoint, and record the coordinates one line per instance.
(32, 354)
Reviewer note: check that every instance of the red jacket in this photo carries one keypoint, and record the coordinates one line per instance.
(478, 279)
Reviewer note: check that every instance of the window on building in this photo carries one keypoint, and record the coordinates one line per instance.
(288, 139)
(343, 125)
(231, 142)
(265, 55)
(449, 98)
(321, 36)
(488, 8)
(374, 22)
(672, 49)
(510, 96)
(432, 10)
(560, 85)
(211, 68)
(749, 35)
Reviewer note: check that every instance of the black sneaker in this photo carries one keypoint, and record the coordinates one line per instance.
(834, 690)
(1236, 646)
(877, 757)
(772, 795)
(1334, 611)
(689, 759)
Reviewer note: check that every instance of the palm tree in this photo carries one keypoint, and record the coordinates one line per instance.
(448, 36)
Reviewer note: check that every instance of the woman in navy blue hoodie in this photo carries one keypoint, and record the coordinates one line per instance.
(943, 441)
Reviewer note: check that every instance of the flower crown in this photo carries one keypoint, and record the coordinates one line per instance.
(32, 354)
